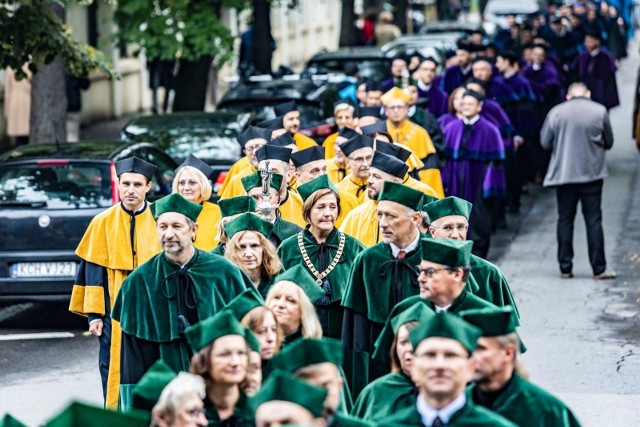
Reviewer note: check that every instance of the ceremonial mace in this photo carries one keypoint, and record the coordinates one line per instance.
(265, 209)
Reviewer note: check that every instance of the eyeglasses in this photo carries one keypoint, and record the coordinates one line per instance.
(449, 228)
(396, 107)
(430, 272)
(251, 149)
(362, 159)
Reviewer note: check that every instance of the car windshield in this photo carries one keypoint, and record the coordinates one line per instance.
(56, 185)
(375, 69)
(263, 110)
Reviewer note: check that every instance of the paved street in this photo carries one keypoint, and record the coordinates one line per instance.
(582, 335)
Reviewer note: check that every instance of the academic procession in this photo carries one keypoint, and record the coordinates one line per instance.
(347, 283)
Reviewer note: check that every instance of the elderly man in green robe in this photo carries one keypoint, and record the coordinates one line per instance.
(498, 386)
(450, 220)
(442, 368)
(173, 290)
(381, 276)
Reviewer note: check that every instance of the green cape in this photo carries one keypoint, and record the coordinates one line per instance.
(243, 413)
(470, 415)
(492, 285)
(385, 396)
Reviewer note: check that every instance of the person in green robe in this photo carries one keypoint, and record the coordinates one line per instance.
(147, 392)
(396, 390)
(449, 218)
(381, 276)
(221, 357)
(229, 209)
(442, 367)
(498, 386)
(323, 250)
(81, 414)
(9, 421)
(179, 402)
(249, 248)
(252, 184)
(172, 291)
(318, 362)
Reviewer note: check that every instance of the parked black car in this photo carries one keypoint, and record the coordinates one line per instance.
(370, 63)
(48, 196)
(314, 100)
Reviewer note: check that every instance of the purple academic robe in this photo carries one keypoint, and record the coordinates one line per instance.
(453, 78)
(599, 74)
(523, 109)
(478, 166)
(438, 99)
(445, 119)
(494, 113)
(498, 91)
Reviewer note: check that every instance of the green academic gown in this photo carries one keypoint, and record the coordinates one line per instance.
(159, 300)
(469, 416)
(385, 396)
(377, 282)
(243, 415)
(347, 421)
(330, 312)
(282, 230)
(219, 250)
(492, 285)
(527, 405)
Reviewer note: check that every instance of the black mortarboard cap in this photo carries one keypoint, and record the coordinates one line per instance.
(482, 58)
(307, 155)
(135, 165)
(347, 133)
(195, 162)
(510, 56)
(356, 143)
(284, 108)
(283, 140)
(464, 44)
(476, 81)
(374, 86)
(272, 124)
(381, 126)
(592, 32)
(555, 19)
(273, 152)
(342, 102)
(393, 150)
(389, 164)
(474, 94)
(368, 111)
(430, 59)
(254, 132)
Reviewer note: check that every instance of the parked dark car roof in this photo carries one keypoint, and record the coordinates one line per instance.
(104, 150)
(371, 62)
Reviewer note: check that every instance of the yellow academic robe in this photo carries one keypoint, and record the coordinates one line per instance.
(291, 209)
(303, 141)
(107, 244)
(353, 186)
(348, 202)
(207, 227)
(337, 172)
(328, 144)
(421, 186)
(235, 188)
(362, 223)
(233, 170)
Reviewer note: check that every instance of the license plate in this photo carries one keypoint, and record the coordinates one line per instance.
(44, 269)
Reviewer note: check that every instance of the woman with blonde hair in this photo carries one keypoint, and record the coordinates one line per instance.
(291, 300)
(324, 251)
(229, 209)
(249, 248)
(192, 183)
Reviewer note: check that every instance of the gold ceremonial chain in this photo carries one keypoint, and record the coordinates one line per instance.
(305, 256)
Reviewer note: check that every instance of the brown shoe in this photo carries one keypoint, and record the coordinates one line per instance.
(606, 275)
(566, 275)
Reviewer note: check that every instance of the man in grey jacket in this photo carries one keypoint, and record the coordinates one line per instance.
(578, 132)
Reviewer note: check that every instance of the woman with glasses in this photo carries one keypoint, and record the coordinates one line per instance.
(192, 183)
(324, 251)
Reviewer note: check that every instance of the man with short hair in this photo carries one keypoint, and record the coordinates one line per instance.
(578, 132)
(455, 75)
(116, 242)
(170, 292)
(374, 92)
(337, 167)
(344, 113)
(398, 72)
(441, 369)
(482, 69)
(498, 386)
(381, 276)
(437, 99)
(359, 153)
(291, 121)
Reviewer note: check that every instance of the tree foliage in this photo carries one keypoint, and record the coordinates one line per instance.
(32, 34)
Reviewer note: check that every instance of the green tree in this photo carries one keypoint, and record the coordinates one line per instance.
(34, 34)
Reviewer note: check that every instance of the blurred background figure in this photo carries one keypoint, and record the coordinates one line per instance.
(161, 75)
(74, 104)
(17, 106)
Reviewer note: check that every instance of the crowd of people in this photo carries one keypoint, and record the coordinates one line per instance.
(346, 283)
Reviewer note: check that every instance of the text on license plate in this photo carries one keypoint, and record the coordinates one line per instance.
(44, 269)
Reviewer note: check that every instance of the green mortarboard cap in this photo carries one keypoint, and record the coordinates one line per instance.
(426, 199)
(273, 152)
(448, 206)
(251, 340)
(176, 203)
(449, 252)
(147, 392)
(347, 133)
(307, 189)
(9, 421)
(236, 205)
(284, 387)
(308, 155)
(493, 322)
(283, 140)
(248, 222)
(418, 312)
(80, 415)
(390, 165)
(446, 325)
(356, 143)
(301, 277)
(207, 331)
(308, 351)
(285, 107)
(255, 180)
(135, 165)
(246, 301)
(271, 124)
(195, 162)
(254, 132)
(400, 193)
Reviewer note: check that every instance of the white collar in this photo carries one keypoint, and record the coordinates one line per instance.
(192, 255)
(412, 246)
(412, 111)
(428, 413)
(466, 71)
(445, 308)
(536, 67)
(594, 52)
(472, 121)
(510, 74)
(424, 87)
